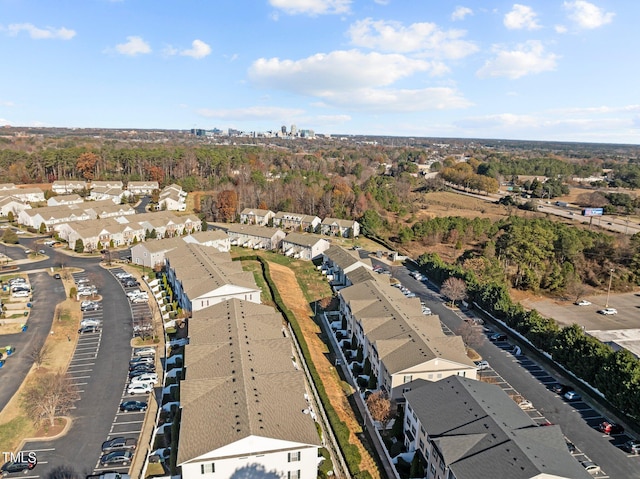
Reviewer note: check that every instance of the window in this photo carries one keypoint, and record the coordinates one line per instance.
(407, 379)
(293, 474)
(207, 468)
(294, 456)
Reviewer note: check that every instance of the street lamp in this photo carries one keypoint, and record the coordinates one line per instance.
(609, 289)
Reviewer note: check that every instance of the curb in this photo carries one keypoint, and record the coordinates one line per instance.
(62, 433)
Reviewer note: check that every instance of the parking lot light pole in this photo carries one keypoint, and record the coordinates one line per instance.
(609, 288)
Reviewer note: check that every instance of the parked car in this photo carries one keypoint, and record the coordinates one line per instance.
(590, 467)
(160, 455)
(20, 294)
(140, 352)
(572, 396)
(608, 311)
(142, 360)
(118, 443)
(139, 388)
(571, 447)
(140, 299)
(127, 406)
(139, 372)
(122, 458)
(89, 329)
(497, 337)
(57, 276)
(85, 323)
(525, 404)
(583, 302)
(148, 367)
(89, 306)
(481, 365)
(560, 388)
(151, 378)
(12, 467)
(632, 446)
(610, 428)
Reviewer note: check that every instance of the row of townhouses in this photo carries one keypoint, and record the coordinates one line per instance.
(51, 216)
(399, 341)
(461, 428)
(126, 230)
(296, 245)
(243, 397)
(63, 187)
(173, 198)
(300, 222)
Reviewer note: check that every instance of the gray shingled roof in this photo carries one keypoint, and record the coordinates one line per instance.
(481, 432)
(201, 269)
(238, 381)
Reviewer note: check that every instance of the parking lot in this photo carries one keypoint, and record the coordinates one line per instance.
(578, 419)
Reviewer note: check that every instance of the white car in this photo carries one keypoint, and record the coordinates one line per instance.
(525, 404)
(151, 378)
(583, 302)
(140, 299)
(139, 388)
(90, 322)
(144, 352)
(21, 294)
(481, 364)
(608, 311)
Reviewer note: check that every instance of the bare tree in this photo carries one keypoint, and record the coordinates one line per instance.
(455, 289)
(379, 407)
(39, 355)
(49, 396)
(63, 472)
(471, 337)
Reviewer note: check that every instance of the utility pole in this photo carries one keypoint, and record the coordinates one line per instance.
(609, 289)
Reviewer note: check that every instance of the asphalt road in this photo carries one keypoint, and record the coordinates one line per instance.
(47, 292)
(601, 449)
(102, 388)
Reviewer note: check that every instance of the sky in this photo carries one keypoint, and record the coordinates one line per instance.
(555, 70)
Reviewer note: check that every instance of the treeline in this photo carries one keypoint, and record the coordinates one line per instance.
(614, 373)
(533, 254)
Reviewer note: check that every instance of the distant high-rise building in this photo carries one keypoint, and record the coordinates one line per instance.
(294, 130)
(283, 129)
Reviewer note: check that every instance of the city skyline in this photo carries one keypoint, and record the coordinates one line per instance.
(561, 71)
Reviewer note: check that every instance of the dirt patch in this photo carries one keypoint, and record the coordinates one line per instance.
(47, 430)
(293, 297)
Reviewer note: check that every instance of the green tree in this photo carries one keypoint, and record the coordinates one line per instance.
(11, 217)
(79, 246)
(9, 236)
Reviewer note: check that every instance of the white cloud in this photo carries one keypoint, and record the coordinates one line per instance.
(312, 7)
(41, 33)
(561, 29)
(397, 100)
(334, 71)
(460, 12)
(587, 15)
(6, 103)
(528, 58)
(250, 113)
(134, 46)
(521, 17)
(352, 78)
(198, 50)
(4, 122)
(423, 38)
(170, 50)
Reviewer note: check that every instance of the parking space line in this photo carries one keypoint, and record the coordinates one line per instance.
(116, 434)
(82, 371)
(80, 377)
(41, 450)
(80, 365)
(125, 422)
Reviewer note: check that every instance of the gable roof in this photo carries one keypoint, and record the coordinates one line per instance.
(240, 375)
(481, 432)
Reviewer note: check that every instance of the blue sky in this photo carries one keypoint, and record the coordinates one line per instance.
(563, 70)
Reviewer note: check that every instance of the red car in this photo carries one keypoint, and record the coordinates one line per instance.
(610, 428)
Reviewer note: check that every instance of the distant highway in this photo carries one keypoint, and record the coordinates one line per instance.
(573, 213)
